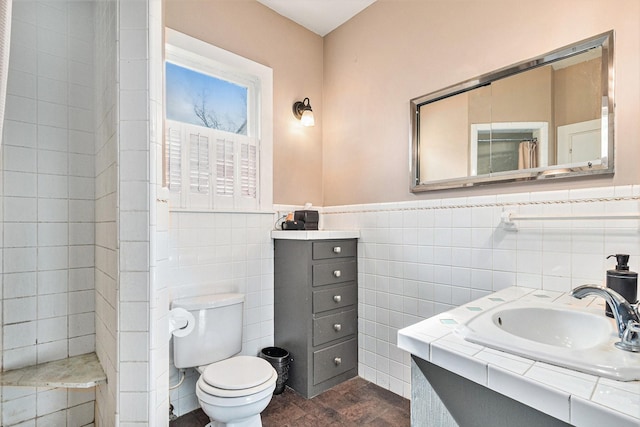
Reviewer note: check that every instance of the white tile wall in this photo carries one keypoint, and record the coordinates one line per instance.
(142, 301)
(47, 174)
(105, 207)
(422, 258)
(222, 252)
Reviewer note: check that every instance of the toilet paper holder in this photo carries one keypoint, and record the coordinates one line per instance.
(181, 322)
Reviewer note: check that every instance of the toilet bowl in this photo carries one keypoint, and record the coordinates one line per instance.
(234, 391)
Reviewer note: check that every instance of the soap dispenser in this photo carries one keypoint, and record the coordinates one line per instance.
(622, 280)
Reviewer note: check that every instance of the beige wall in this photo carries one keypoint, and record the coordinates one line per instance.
(249, 29)
(525, 97)
(396, 50)
(446, 135)
(361, 76)
(578, 86)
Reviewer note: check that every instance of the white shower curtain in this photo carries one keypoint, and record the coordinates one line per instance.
(527, 155)
(5, 35)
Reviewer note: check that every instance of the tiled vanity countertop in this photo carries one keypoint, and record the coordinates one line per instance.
(579, 399)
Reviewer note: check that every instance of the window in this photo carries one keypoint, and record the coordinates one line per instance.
(218, 143)
(205, 100)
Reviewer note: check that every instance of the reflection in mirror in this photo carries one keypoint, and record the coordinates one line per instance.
(547, 117)
(503, 147)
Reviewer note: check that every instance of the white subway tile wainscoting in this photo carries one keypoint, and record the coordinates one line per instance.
(212, 253)
(418, 259)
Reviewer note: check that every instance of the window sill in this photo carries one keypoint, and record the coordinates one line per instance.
(221, 211)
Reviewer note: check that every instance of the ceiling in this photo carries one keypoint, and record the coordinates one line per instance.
(319, 16)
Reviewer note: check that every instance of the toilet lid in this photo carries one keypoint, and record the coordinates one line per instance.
(237, 373)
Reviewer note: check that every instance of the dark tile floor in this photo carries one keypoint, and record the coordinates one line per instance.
(353, 403)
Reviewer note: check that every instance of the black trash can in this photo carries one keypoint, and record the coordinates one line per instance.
(280, 360)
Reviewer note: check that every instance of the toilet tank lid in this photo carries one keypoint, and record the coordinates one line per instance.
(207, 301)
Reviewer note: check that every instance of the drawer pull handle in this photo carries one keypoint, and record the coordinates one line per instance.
(337, 298)
(337, 273)
(337, 361)
(337, 249)
(337, 327)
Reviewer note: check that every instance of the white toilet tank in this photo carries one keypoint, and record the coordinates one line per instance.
(218, 330)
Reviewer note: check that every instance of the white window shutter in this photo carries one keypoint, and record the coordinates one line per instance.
(199, 167)
(247, 175)
(225, 167)
(225, 171)
(248, 170)
(211, 169)
(174, 159)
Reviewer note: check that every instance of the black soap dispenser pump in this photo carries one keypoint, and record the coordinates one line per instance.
(622, 280)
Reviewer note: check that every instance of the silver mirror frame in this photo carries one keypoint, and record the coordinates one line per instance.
(604, 40)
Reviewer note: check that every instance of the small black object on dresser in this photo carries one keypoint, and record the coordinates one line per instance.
(308, 217)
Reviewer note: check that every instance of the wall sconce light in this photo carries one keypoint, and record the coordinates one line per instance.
(303, 112)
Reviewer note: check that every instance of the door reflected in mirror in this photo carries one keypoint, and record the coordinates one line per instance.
(548, 117)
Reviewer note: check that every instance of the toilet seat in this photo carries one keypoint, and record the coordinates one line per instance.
(237, 376)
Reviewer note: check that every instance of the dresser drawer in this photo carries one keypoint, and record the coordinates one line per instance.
(334, 326)
(334, 360)
(334, 249)
(330, 299)
(336, 272)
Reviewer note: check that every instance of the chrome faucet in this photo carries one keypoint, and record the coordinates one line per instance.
(626, 316)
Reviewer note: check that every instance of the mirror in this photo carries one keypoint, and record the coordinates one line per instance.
(546, 118)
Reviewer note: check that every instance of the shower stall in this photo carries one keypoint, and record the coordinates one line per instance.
(79, 206)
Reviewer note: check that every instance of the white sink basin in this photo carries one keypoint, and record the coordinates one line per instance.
(561, 335)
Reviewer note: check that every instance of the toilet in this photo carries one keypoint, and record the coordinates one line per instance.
(232, 390)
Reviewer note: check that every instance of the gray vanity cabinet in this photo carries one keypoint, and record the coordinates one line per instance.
(316, 311)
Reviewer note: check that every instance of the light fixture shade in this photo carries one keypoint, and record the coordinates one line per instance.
(307, 118)
(303, 112)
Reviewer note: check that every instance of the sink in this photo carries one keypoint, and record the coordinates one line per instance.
(561, 335)
(552, 326)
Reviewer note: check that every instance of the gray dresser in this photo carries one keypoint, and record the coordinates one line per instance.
(316, 311)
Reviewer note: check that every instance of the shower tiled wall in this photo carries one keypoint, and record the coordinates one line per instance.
(48, 205)
(417, 259)
(106, 208)
(158, 223)
(131, 339)
(216, 253)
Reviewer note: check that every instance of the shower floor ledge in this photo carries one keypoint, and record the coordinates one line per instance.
(83, 371)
